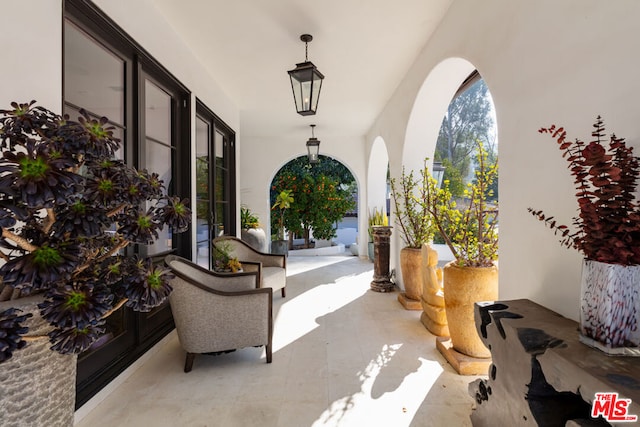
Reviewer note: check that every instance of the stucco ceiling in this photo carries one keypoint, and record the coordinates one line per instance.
(363, 47)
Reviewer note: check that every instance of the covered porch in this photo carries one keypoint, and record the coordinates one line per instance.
(343, 355)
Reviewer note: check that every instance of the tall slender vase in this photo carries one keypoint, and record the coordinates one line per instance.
(610, 307)
(381, 247)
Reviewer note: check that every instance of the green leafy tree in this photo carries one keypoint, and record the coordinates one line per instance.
(322, 196)
(468, 119)
(468, 228)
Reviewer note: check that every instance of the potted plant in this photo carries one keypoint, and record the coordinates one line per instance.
(283, 201)
(470, 232)
(250, 230)
(223, 259)
(68, 210)
(376, 218)
(607, 233)
(416, 228)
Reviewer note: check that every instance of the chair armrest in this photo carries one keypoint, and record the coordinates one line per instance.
(251, 267)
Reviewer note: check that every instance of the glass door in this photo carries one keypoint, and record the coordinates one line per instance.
(215, 182)
(107, 74)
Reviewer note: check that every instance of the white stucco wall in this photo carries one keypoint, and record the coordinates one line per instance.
(544, 62)
(261, 158)
(32, 53)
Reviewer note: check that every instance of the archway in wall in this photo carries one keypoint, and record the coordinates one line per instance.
(425, 120)
(324, 203)
(428, 110)
(468, 125)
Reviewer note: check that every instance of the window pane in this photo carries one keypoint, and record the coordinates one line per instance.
(221, 172)
(219, 147)
(93, 76)
(157, 113)
(202, 193)
(162, 244)
(202, 138)
(159, 161)
(221, 218)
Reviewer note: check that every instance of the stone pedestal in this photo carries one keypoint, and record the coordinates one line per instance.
(541, 374)
(381, 275)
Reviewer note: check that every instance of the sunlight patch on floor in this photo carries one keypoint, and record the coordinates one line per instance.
(298, 265)
(393, 408)
(298, 316)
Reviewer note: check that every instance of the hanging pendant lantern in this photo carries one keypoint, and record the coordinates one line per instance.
(313, 148)
(306, 82)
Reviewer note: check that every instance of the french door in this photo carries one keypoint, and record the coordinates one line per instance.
(215, 182)
(108, 74)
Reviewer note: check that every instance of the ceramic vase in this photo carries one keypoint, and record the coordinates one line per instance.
(610, 307)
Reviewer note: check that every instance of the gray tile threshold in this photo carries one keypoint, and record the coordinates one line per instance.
(343, 356)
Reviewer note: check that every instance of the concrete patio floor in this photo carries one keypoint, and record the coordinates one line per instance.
(343, 356)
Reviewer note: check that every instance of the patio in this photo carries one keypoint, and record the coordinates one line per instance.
(343, 356)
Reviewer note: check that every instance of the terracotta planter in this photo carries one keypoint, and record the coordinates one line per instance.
(610, 307)
(463, 287)
(37, 385)
(411, 265)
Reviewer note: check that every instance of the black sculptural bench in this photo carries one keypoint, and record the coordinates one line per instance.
(541, 374)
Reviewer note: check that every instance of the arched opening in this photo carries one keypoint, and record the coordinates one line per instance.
(468, 123)
(321, 207)
(430, 105)
(440, 87)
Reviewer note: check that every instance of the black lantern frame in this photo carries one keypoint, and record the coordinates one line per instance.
(313, 148)
(306, 83)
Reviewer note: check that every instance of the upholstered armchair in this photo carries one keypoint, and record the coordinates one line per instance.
(271, 268)
(216, 312)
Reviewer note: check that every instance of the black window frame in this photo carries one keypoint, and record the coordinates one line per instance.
(96, 370)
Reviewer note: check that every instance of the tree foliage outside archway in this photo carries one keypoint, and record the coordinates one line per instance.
(323, 193)
(469, 119)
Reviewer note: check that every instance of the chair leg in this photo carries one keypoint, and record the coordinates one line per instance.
(284, 294)
(269, 355)
(188, 363)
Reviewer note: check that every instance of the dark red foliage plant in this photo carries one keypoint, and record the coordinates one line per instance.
(607, 228)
